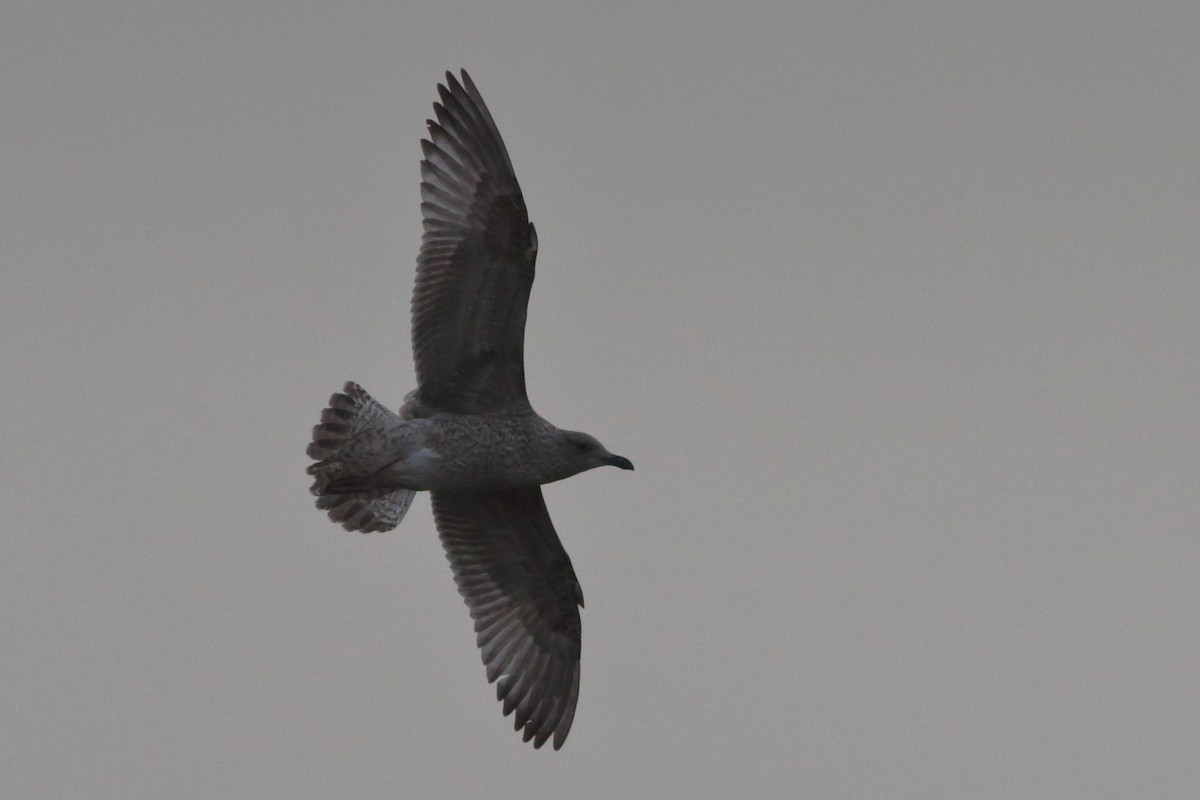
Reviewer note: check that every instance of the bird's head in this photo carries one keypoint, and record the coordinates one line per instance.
(585, 452)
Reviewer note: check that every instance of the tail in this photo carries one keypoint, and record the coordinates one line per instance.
(350, 414)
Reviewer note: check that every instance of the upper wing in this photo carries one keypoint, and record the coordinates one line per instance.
(475, 268)
(518, 582)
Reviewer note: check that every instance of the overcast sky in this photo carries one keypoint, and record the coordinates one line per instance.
(895, 306)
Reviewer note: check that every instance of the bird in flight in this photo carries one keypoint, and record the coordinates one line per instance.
(467, 433)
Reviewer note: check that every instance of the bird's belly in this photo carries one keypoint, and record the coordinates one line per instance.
(474, 474)
(475, 454)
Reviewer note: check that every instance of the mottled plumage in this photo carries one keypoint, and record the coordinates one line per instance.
(467, 433)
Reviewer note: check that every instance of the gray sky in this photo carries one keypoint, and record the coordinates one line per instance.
(896, 307)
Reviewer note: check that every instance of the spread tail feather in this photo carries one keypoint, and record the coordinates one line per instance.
(348, 415)
(338, 485)
(365, 513)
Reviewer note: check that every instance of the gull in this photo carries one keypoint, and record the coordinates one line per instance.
(468, 434)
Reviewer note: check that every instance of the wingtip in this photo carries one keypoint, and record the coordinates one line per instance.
(452, 83)
(468, 84)
(461, 82)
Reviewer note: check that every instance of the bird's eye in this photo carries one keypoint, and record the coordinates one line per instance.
(582, 447)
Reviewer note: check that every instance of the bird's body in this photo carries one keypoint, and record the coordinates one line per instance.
(468, 433)
(453, 453)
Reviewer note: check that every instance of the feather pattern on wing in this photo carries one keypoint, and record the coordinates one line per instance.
(518, 583)
(476, 264)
